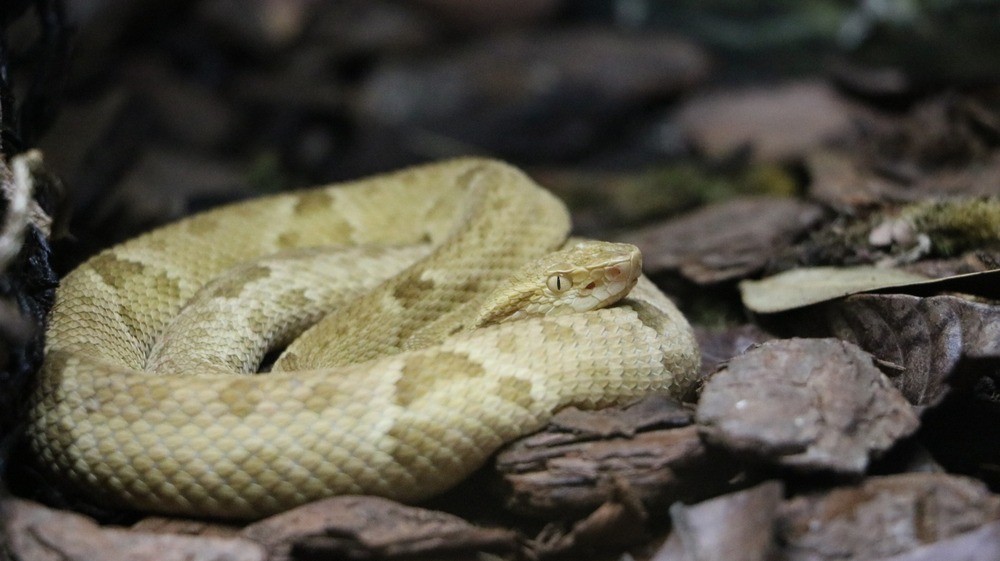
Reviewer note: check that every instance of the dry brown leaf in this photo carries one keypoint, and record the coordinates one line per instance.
(937, 340)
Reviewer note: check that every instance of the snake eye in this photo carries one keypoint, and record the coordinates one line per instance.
(559, 283)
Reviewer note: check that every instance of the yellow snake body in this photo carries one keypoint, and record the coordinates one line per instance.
(139, 403)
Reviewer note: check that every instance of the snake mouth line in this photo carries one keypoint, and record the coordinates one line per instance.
(628, 277)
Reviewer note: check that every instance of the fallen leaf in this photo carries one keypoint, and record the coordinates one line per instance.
(938, 341)
(797, 288)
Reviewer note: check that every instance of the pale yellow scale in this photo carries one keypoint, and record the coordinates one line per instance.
(426, 352)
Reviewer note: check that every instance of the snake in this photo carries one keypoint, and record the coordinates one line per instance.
(421, 320)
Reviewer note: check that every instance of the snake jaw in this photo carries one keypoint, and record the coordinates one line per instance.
(610, 280)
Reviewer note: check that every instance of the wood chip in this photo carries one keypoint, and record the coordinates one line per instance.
(362, 527)
(777, 122)
(884, 516)
(724, 241)
(810, 404)
(738, 526)
(563, 472)
(38, 533)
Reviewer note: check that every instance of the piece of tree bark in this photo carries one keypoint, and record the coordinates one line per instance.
(734, 527)
(883, 516)
(725, 241)
(364, 527)
(809, 404)
(37, 533)
(575, 466)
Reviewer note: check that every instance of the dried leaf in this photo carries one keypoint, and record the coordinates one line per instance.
(802, 287)
(719, 345)
(937, 340)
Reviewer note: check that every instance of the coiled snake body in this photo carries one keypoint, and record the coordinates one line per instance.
(137, 406)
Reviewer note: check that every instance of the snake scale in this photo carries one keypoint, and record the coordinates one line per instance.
(141, 404)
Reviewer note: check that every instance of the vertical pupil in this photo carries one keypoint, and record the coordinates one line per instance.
(558, 282)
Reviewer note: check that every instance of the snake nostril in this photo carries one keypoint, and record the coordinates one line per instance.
(591, 286)
(614, 272)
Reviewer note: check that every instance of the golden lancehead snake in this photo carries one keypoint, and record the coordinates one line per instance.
(462, 318)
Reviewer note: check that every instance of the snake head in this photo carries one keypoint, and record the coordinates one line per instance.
(583, 277)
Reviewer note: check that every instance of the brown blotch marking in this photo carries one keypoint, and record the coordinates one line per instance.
(114, 271)
(318, 216)
(556, 332)
(241, 396)
(423, 373)
(310, 202)
(288, 240)
(291, 361)
(123, 275)
(405, 453)
(55, 367)
(234, 289)
(472, 285)
(324, 395)
(516, 391)
(296, 299)
(412, 290)
(203, 225)
(507, 342)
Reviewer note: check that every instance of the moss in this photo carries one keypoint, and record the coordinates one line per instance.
(956, 225)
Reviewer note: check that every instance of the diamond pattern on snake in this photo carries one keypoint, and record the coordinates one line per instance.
(427, 317)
